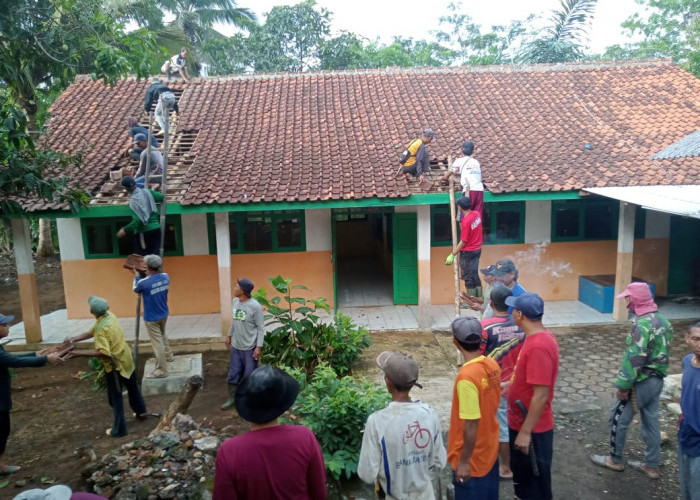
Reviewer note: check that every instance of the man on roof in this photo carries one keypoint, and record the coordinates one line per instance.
(177, 65)
(417, 160)
(134, 130)
(144, 224)
(165, 98)
(155, 169)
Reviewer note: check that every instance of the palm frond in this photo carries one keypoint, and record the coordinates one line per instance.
(572, 22)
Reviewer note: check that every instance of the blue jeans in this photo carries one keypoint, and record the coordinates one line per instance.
(141, 181)
(481, 488)
(689, 472)
(647, 393)
(114, 396)
(241, 364)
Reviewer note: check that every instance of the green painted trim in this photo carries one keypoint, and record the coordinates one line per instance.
(414, 199)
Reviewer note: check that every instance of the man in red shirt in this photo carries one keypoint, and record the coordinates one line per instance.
(270, 460)
(531, 391)
(469, 247)
(502, 341)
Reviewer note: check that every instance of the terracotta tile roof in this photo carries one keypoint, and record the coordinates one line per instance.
(337, 135)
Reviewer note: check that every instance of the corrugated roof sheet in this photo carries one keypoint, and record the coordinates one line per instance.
(688, 146)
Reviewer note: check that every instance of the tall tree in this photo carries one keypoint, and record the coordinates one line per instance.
(669, 28)
(469, 45)
(45, 43)
(564, 38)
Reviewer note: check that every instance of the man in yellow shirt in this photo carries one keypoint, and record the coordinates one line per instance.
(111, 348)
(418, 162)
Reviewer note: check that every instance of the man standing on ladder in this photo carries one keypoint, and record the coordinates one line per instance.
(469, 247)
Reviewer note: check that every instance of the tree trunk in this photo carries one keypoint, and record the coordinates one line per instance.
(182, 402)
(45, 246)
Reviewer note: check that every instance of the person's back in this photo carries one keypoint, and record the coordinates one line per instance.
(408, 440)
(269, 463)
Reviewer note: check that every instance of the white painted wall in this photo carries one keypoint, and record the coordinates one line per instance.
(195, 238)
(538, 221)
(70, 239)
(318, 230)
(657, 225)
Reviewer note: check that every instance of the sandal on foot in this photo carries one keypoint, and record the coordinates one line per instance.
(10, 469)
(650, 472)
(602, 460)
(156, 375)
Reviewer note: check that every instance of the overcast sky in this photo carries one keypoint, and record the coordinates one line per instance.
(388, 18)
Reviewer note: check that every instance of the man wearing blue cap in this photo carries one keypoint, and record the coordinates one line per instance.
(245, 337)
(530, 394)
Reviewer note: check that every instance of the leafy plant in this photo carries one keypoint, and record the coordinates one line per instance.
(99, 383)
(300, 338)
(336, 409)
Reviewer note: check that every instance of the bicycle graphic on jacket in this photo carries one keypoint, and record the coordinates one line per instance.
(421, 436)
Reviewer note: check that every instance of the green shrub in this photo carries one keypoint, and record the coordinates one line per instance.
(300, 339)
(336, 409)
(99, 383)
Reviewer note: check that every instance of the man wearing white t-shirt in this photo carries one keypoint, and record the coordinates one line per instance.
(402, 448)
(470, 177)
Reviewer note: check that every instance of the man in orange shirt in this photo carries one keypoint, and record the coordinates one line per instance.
(472, 444)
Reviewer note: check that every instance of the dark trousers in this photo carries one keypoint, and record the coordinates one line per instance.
(481, 488)
(469, 265)
(150, 244)
(4, 430)
(114, 395)
(241, 364)
(526, 484)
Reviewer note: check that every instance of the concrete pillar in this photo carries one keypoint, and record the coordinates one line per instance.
(223, 259)
(318, 230)
(625, 252)
(424, 317)
(70, 239)
(538, 221)
(28, 293)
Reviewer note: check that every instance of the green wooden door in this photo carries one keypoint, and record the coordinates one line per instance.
(405, 248)
(683, 259)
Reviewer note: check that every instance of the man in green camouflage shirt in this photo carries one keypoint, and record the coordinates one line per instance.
(644, 366)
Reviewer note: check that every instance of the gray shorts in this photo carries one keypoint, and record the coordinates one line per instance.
(502, 416)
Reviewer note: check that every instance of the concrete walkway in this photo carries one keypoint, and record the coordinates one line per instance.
(206, 328)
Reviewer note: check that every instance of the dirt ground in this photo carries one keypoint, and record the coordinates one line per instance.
(56, 415)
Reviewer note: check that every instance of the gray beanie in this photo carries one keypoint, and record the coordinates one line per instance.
(98, 305)
(153, 261)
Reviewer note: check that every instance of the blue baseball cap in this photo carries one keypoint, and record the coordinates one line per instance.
(6, 319)
(530, 304)
(140, 137)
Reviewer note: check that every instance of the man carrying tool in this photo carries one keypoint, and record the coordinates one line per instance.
(111, 348)
(469, 247)
(144, 220)
(245, 337)
(640, 382)
(417, 161)
(165, 98)
(154, 290)
(472, 443)
(402, 449)
(530, 394)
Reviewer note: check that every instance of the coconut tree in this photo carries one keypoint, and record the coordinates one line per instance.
(188, 23)
(563, 39)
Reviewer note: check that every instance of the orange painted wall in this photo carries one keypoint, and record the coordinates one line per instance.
(553, 270)
(194, 287)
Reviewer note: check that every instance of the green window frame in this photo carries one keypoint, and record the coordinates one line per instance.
(262, 232)
(588, 219)
(440, 226)
(100, 237)
(504, 222)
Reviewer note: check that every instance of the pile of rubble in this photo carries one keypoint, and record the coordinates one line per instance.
(176, 462)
